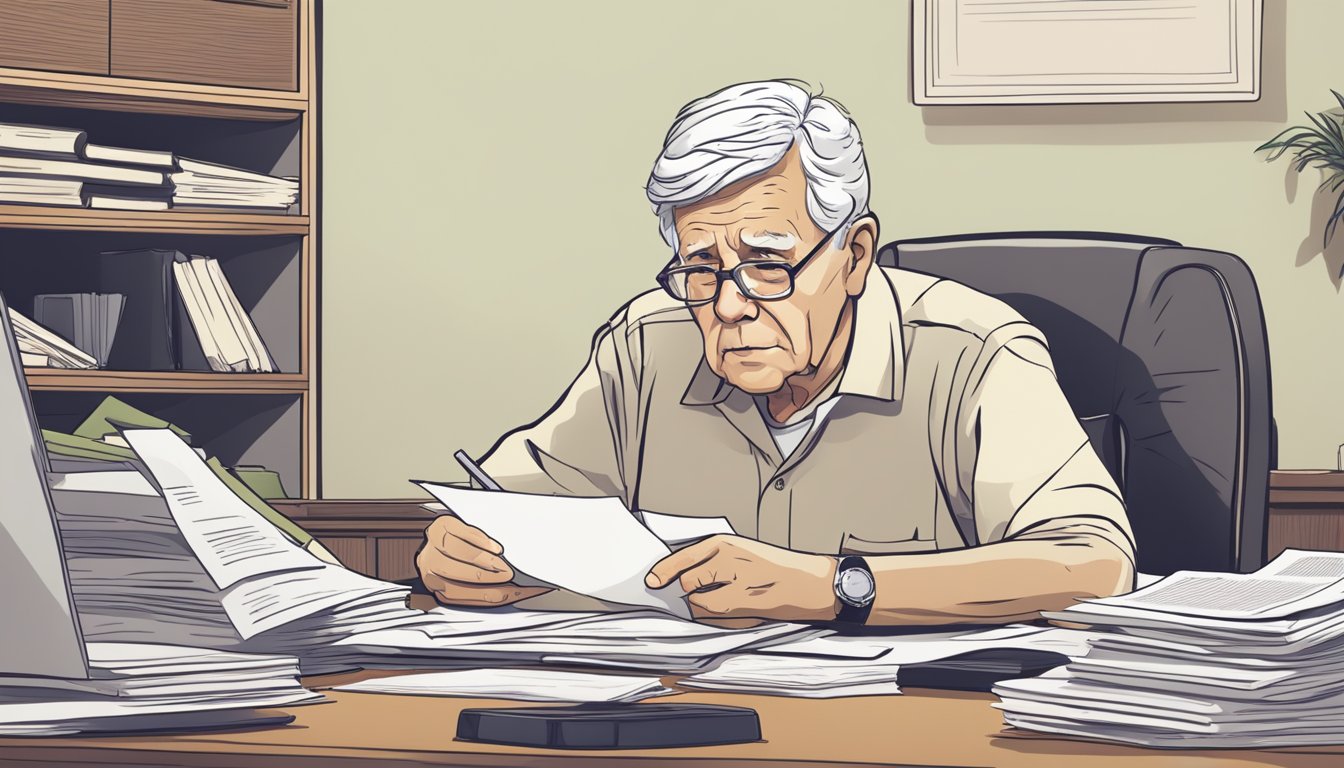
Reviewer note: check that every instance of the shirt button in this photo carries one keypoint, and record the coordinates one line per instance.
(779, 484)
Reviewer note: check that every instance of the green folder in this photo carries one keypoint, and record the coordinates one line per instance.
(61, 444)
(112, 412)
(266, 482)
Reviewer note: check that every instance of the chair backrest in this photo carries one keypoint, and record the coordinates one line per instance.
(1161, 351)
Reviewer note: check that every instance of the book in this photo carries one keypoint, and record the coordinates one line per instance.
(17, 189)
(113, 202)
(151, 337)
(205, 185)
(120, 155)
(41, 138)
(72, 169)
(227, 336)
(87, 320)
(258, 357)
(34, 339)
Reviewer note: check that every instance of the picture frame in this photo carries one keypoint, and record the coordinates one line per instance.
(1084, 51)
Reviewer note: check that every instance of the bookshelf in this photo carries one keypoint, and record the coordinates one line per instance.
(233, 83)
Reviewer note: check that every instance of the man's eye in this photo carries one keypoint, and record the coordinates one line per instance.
(700, 256)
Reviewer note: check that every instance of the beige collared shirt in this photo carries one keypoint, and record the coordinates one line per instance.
(949, 431)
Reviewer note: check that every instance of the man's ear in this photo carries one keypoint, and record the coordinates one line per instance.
(862, 248)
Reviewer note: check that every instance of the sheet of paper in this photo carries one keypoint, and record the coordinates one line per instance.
(594, 547)
(1295, 581)
(231, 540)
(257, 605)
(119, 481)
(519, 684)
(677, 530)
(918, 647)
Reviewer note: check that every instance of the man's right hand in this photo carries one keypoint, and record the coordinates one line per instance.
(463, 566)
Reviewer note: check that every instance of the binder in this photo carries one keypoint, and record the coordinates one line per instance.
(154, 333)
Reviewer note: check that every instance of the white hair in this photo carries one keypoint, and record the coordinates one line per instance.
(744, 130)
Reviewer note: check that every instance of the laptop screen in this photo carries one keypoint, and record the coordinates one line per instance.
(42, 635)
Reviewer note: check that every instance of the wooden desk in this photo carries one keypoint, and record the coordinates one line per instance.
(925, 728)
(1306, 511)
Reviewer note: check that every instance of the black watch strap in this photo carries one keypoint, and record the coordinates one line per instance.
(854, 614)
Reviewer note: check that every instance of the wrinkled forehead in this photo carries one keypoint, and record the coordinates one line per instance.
(769, 211)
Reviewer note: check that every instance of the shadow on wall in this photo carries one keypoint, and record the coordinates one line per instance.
(1123, 124)
(1313, 244)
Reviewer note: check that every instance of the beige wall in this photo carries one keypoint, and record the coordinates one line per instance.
(483, 209)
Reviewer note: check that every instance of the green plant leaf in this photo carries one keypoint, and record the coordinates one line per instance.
(1333, 221)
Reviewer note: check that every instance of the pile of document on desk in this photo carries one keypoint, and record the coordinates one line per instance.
(183, 560)
(830, 665)
(1203, 660)
(637, 640)
(135, 686)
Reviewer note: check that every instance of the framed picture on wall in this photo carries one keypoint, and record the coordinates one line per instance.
(1084, 51)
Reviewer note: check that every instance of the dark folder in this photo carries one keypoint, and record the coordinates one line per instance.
(153, 334)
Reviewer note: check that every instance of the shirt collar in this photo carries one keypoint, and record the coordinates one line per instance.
(874, 367)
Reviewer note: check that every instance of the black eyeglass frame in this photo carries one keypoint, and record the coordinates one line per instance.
(720, 275)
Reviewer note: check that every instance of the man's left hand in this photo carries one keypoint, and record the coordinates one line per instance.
(728, 577)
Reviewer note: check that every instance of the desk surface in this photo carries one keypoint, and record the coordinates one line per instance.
(926, 728)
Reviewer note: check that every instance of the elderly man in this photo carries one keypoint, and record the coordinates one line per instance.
(891, 448)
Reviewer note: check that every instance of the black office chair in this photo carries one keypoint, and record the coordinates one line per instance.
(1161, 351)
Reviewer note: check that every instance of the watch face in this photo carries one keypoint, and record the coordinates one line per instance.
(856, 585)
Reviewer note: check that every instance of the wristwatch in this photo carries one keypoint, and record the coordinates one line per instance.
(856, 588)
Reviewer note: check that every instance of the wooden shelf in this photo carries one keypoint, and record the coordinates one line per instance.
(170, 382)
(249, 127)
(53, 89)
(171, 221)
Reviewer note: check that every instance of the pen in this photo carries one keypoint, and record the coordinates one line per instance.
(475, 471)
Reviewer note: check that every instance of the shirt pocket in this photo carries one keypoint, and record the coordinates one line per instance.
(856, 545)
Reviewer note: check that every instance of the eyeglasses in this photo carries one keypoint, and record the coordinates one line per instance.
(698, 284)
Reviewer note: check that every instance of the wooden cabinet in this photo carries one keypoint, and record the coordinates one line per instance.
(54, 35)
(54, 72)
(242, 43)
(1306, 510)
(376, 538)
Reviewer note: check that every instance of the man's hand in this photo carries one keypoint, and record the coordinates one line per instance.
(735, 577)
(463, 566)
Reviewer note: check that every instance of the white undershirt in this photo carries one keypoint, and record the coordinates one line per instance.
(794, 430)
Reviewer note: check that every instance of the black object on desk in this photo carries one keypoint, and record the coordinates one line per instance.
(611, 726)
(979, 670)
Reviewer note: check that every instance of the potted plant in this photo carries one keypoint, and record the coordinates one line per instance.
(1320, 144)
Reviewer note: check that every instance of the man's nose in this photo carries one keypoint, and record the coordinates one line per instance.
(730, 306)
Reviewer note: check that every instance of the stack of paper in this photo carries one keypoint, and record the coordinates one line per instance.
(832, 665)
(520, 684)
(157, 687)
(48, 165)
(40, 191)
(40, 347)
(1204, 660)
(228, 337)
(184, 560)
(198, 566)
(201, 184)
(639, 640)
(87, 320)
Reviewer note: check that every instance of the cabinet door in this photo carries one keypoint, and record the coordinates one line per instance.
(54, 35)
(245, 43)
